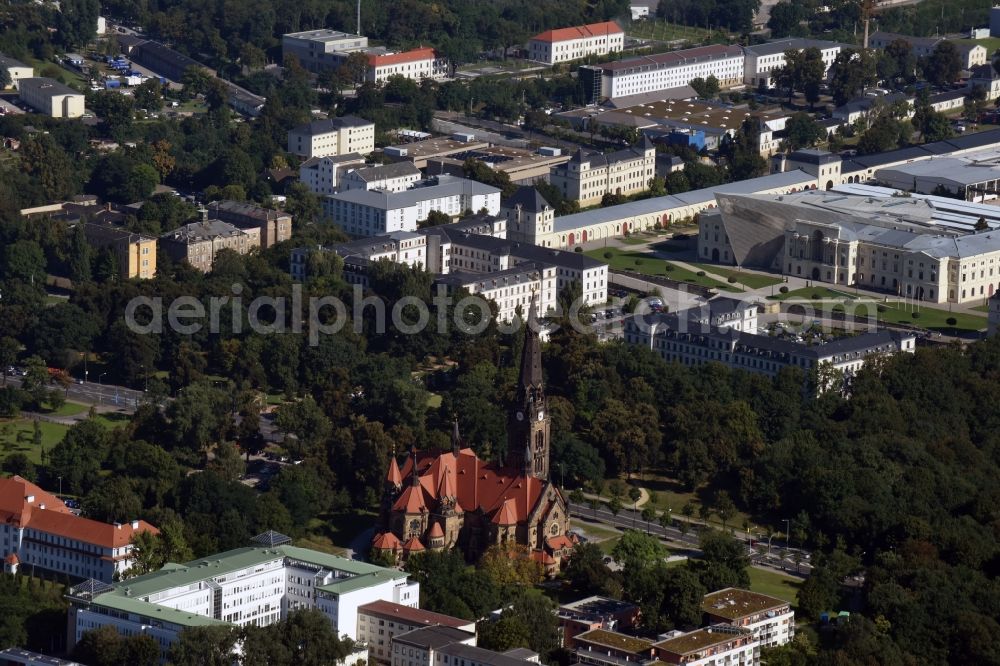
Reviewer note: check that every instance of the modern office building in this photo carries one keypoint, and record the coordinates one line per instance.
(38, 533)
(317, 50)
(257, 585)
(50, 97)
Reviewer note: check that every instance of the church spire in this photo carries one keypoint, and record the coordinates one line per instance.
(456, 439)
(414, 478)
(531, 355)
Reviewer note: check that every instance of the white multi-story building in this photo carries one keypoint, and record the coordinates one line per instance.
(247, 586)
(332, 136)
(566, 44)
(771, 620)
(39, 533)
(418, 64)
(394, 177)
(324, 175)
(761, 61)
(400, 247)
(374, 213)
(587, 177)
(653, 73)
(512, 289)
(972, 55)
(16, 70)
(381, 621)
(317, 50)
(50, 97)
(711, 646)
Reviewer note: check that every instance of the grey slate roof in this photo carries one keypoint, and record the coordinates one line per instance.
(782, 45)
(7, 61)
(199, 231)
(528, 198)
(447, 186)
(394, 170)
(47, 87)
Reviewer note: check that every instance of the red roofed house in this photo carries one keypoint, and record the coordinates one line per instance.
(37, 531)
(417, 64)
(566, 44)
(448, 499)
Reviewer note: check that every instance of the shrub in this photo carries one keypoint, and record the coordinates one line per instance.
(669, 267)
(732, 279)
(881, 308)
(608, 255)
(783, 289)
(915, 315)
(951, 321)
(578, 249)
(700, 273)
(638, 262)
(815, 296)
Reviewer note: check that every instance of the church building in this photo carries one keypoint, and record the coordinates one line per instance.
(452, 499)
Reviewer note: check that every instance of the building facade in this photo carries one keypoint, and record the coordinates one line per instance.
(711, 646)
(762, 60)
(512, 289)
(318, 50)
(421, 63)
(587, 177)
(529, 216)
(50, 97)
(452, 499)
(372, 213)
(197, 243)
(381, 621)
(255, 586)
(394, 177)
(39, 533)
(136, 253)
(566, 44)
(663, 71)
(273, 226)
(16, 70)
(323, 175)
(332, 136)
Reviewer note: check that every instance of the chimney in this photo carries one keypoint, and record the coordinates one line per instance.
(107, 206)
(30, 499)
(135, 524)
(41, 506)
(118, 526)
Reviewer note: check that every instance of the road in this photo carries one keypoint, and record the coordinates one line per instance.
(98, 394)
(628, 519)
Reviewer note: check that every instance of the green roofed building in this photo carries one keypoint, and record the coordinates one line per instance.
(257, 585)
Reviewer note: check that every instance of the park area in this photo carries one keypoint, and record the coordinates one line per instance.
(646, 263)
(31, 436)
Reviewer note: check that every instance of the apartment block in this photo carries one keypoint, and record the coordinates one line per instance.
(332, 136)
(566, 44)
(257, 585)
(587, 177)
(273, 226)
(50, 97)
(323, 175)
(38, 533)
(511, 289)
(716, 645)
(379, 622)
(771, 620)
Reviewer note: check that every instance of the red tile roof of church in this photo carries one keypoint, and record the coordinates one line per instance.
(411, 501)
(507, 515)
(479, 485)
(436, 531)
(413, 545)
(386, 541)
(394, 477)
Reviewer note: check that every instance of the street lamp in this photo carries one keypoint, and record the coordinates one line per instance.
(788, 531)
(101, 377)
(60, 485)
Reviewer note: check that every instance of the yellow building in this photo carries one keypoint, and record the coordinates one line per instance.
(587, 177)
(136, 253)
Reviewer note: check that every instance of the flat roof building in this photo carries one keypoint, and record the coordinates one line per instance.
(16, 70)
(770, 619)
(332, 136)
(50, 97)
(381, 621)
(317, 50)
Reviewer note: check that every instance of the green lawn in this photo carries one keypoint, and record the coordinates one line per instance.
(434, 401)
(648, 264)
(333, 533)
(806, 293)
(69, 409)
(17, 436)
(112, 420)
(775, 584)
(898, 313)
(752, 280)
(594, 531)
(991, 43)
(668, 32)
(982, 308)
